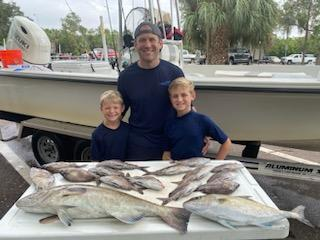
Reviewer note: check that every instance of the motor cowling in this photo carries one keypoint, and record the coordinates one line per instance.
(34, 43)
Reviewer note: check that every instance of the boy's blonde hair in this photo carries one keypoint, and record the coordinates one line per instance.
(181, 82)
(112, 96)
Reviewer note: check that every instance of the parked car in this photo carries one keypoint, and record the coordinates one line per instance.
(297, 59)
(270, 59)
(239, 55)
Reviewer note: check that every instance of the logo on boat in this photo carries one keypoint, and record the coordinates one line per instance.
(293, 169)
(22, 43)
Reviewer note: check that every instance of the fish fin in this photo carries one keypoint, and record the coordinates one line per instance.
(164, 201)
(225, 223)
(139, 190)
(298, 213)
(127, 218)
(144, 169)
(50, 219)
(177, 182)
(177, 218)
(64, 216)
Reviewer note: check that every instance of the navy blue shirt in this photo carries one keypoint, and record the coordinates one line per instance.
(107, 143)
(145, 92)
(186, 134)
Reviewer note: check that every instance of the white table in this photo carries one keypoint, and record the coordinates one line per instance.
(17, 224)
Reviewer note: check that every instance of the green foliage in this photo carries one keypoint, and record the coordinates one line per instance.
(7, 11)
(76, 39)
(248, 22)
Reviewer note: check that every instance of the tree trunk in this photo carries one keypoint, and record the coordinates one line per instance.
(307, 32)
(218, 49)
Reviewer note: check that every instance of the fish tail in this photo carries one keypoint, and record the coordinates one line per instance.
(177, 218)
(165, 200)
(299, 215)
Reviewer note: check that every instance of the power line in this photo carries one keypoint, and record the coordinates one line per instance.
(68, 6)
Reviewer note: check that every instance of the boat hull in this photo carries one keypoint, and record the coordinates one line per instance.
(247, 112)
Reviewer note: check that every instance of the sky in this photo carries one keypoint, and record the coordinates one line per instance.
(48, 13)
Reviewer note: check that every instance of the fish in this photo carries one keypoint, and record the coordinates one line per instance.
(80, 201)
(227, 167)
(147, 182)
(120, 182)
(219, 187)
(78, 175)
(181, 191)
(120, 165)
(41, 178)
(171, 170)
(221, 176)
(105, 171)
(234, 211)
(55, 167)
(198, 173)
(192, 162)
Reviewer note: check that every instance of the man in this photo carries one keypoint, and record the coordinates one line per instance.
(144, 88)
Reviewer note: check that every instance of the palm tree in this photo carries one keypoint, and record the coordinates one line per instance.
(219, 24)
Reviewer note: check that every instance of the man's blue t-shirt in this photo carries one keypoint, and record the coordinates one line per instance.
(186, 135)
(145, 92)
(107, 143)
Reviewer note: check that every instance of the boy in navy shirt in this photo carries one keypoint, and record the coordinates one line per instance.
(109, 139)
(185, 132)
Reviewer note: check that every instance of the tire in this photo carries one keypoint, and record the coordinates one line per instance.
(49, 147)
(231, 62)
(289, 62)
(82, 151)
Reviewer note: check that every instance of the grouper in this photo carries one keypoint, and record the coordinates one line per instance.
(79, 201)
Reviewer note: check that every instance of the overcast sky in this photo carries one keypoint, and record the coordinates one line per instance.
(48, 13)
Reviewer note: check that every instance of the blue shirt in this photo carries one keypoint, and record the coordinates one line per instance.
(107, 143)
(145, 92)
(186, 134)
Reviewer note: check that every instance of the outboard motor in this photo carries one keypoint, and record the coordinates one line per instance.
(31, 39)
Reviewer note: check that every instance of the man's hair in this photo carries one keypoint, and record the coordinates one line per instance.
(147, 27)
(112, 96)
(181, 82)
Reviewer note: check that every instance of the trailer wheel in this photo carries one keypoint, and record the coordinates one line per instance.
(82, 150)
(48, 147)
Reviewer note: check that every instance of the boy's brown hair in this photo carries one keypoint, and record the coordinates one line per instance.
(111, 96)
(181, 82)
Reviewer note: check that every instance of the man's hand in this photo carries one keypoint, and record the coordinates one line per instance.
(166, 155)
(205, 148)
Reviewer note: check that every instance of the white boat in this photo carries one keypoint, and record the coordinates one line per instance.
(261, 107)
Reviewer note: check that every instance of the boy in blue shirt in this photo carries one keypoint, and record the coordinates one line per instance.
(109, 139)
(185, 132)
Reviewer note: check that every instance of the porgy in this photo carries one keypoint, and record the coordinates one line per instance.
(76, 201)
(232, 211)
(41, 178)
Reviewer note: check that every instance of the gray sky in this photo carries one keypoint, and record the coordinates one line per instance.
(48, 13)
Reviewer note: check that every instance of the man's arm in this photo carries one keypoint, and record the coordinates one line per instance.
(224, 150)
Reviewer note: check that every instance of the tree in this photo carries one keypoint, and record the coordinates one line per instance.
(7, 11)
(306, 13)
(287, 19)
(73, 37)
(219, 24)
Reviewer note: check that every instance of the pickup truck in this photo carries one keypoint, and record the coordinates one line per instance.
(297, 59)
(239, 55)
